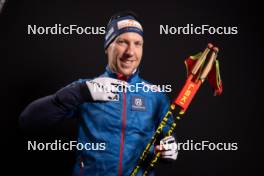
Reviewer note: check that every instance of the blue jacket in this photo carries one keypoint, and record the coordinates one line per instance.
(117, 131)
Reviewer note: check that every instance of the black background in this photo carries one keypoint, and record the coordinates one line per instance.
(39, 65)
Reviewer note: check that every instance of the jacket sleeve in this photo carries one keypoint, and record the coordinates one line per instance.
(49, 110)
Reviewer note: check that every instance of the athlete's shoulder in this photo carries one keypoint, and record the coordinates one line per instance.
(82, 80)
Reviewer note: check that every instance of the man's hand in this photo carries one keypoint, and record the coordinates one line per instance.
(168, 148)
(105, 89)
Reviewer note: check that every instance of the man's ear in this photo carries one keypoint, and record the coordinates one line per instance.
(106, 51)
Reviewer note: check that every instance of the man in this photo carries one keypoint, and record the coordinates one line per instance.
(122, 118)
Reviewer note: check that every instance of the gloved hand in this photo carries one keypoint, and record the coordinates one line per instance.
(105, 89)
(168, 148)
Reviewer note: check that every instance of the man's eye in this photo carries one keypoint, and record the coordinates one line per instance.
(120, 41)
(138, 43)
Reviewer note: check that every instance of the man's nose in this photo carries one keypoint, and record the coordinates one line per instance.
(130, 50)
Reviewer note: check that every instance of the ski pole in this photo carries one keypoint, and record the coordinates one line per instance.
(179, 106)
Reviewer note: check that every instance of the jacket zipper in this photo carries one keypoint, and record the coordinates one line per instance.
(122, 134)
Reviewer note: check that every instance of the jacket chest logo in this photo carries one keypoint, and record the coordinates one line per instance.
(138, 103)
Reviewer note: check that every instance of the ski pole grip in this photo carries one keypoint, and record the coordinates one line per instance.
(202, 58)
(209, 65)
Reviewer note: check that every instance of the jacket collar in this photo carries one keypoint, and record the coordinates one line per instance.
(130, 79)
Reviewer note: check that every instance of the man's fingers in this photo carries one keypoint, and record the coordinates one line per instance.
(121, 85)
(112, 96)
(168, 152)
(111, 84)
(157, 148)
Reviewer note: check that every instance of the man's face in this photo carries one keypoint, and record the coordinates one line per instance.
(125, 52)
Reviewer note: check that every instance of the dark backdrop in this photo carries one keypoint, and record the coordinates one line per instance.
(38, 65)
